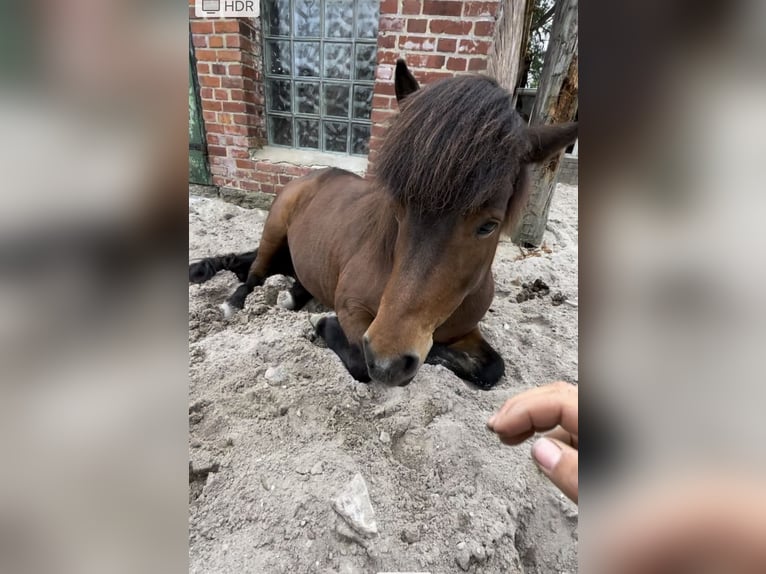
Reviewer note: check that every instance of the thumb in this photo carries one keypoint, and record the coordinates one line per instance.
(559, 463)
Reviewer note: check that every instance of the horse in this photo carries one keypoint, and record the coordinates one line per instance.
(404, 258)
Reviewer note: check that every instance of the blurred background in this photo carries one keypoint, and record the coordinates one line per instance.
(673, 264)
(93, 409)
(93, 346)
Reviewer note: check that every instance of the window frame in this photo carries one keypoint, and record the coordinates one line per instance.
(352, 83)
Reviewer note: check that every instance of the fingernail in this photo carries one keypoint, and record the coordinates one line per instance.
(546, 453)
(491, 420)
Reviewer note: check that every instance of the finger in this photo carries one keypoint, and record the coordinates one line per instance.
(538, 410)
(558, 462)
(564, 436)
(550, 388)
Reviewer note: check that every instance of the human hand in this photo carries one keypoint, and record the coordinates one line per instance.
(553, 408)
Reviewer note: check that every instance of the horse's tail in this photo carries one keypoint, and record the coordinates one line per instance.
(238, 263)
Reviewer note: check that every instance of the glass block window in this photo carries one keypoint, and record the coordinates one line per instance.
(319, 72)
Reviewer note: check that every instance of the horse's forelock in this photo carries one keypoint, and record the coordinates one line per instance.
(453, 147)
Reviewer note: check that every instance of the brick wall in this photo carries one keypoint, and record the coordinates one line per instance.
(438, 38)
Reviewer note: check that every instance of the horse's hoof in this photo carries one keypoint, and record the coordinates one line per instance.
(315, 318)
(286, 300)
(200, 272)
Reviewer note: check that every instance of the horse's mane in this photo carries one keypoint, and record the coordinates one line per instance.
(453, 146)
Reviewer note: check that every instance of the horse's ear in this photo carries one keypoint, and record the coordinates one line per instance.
(547, 140)
(404, 82)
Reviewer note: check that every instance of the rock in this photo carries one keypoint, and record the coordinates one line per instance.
(461, 545)
(318, 468)
(385, 438)
(479, 554)
(354, 506)
(275, 375)
(410, 535)
(463, 559)
(346, 533)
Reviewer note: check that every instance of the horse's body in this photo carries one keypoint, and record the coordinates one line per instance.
(405, 259)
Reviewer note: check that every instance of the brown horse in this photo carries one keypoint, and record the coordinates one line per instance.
(405, 259)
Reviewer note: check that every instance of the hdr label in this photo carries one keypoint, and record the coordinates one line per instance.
(227, 8)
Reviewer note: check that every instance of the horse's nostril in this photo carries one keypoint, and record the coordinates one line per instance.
(410, 363)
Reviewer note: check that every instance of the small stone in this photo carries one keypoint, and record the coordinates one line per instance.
(461, 545)
(353, 504)
(385, 438)
(275, 375)
(195, 444)
(318, 468)
(283, 410)
(479, 554)
(463, 559)
(410, 535)
(346, 533)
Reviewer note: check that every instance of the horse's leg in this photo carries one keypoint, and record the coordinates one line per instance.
(350, 354)
(471, 358)
(237, 263)
(297, 297)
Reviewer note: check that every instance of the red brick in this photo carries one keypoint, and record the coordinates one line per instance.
(417, 26)
(210, 81)
(235, 69)
(251, 185)
(201, 27)
(219, 69)
(477, 64)
(387, 41)
(213, 128)
(241, 154)
(433, 76)
(211, 105)
(448, 45)
(385, 88)
(229, 55)
(479, 8)
(391, 24)
(382, 102)
(220, 95)
(208, 116)
(216, 150)
(235, 130)
(237, 95)
(380, 116)
(459, 28)
(224, 26)
(199, 41)
(295, 170)
(389, 6)
(410, 7)
(284, 179)
(442, 8)
(425, 61)
(206, 55)
(417, 43)
(206, 93)
(232, 82)
(473, 47)
(378, 130)
(215, 41)
(456, 64)
(484, 28)
(267, 188)
(387, 57)
(234, 40)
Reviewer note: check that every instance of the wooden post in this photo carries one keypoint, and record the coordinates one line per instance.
(509, 46)
(556, 102)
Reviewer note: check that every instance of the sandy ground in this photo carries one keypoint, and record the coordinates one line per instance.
(278, 429)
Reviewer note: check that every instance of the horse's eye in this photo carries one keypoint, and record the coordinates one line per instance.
(487, 228)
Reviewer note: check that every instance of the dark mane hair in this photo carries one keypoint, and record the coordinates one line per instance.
(454, 145)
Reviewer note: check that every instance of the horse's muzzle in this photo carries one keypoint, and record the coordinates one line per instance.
(394, 371)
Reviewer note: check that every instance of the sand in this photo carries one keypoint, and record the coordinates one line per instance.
(278, 429)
